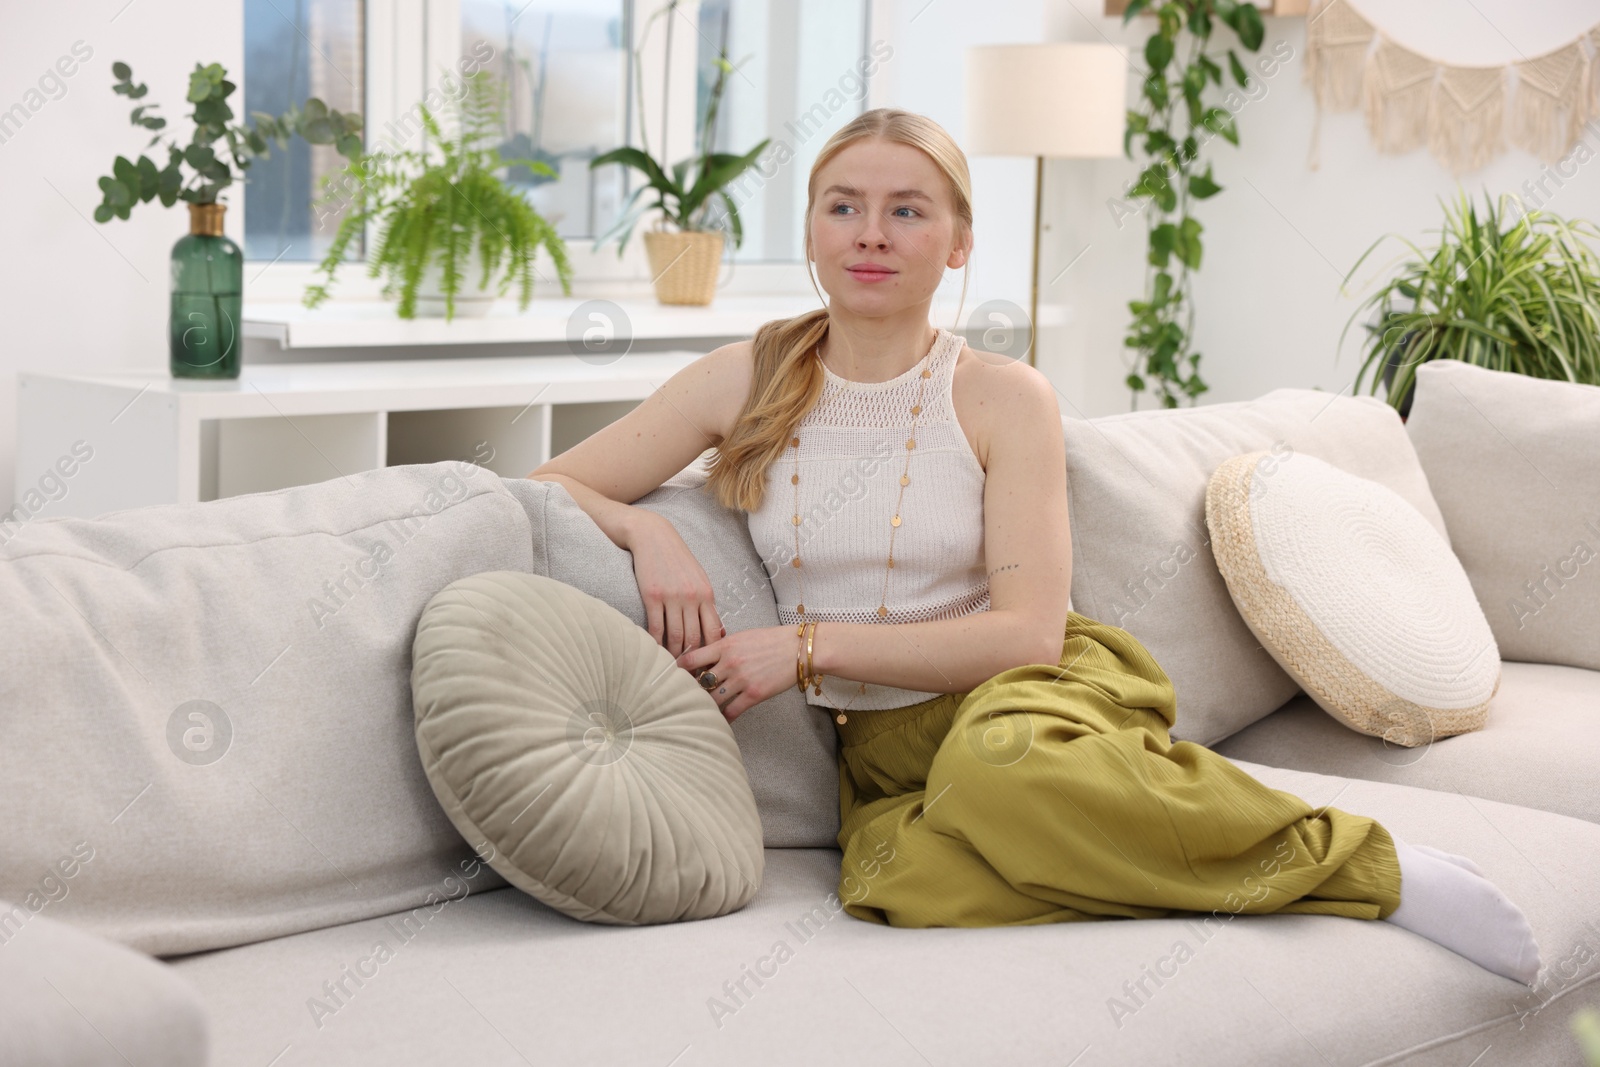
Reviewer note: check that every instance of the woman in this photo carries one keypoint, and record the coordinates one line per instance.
(996, 766)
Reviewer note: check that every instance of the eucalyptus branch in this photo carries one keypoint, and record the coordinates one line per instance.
(133, 182)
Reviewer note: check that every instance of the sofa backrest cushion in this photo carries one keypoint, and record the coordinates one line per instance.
(1141, 555)
(1514, 463)
(215, 699)
(789, 748)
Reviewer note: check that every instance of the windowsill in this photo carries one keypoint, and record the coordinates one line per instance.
(374, 324)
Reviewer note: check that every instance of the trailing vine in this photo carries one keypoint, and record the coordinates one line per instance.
(1174, 91)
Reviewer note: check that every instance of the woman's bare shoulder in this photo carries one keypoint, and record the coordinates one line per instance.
(983, 388)
(731, 371)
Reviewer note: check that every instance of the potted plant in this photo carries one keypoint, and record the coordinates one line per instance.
(441, 210)
(1513, 290)
(208, 268)
(685, 259)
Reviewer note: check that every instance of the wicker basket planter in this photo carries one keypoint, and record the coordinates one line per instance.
(684, 265)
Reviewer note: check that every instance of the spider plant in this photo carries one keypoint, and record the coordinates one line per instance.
(1510, 289)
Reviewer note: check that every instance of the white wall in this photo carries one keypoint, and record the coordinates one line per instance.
(1280, 237)
(76, 295)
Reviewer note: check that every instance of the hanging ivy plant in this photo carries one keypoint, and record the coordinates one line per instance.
(1173, 122)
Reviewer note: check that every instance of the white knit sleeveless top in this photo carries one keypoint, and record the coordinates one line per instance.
(851, 455)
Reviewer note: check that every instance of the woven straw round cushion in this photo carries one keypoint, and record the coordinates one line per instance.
(1354, 594)
(578, 759)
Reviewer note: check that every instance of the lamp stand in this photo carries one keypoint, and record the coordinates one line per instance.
(1033, 304)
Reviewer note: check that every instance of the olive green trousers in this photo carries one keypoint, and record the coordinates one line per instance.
(1055, 794)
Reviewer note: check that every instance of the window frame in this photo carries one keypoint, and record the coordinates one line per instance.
(407, 38)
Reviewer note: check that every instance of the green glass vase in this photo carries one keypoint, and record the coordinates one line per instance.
(207, 294)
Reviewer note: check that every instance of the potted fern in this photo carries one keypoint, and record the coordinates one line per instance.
(442, 211)
(1512, 290)
(684, 260)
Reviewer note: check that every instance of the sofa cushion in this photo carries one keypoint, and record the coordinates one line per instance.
(793, 980)
(789, 750)
(1514, 463)
(1141, 556)
(76, 1000)
(524, 686)
(1355, 595)
(215, 698)
(1539, 746)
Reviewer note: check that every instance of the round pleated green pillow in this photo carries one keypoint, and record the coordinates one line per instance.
(578, 759)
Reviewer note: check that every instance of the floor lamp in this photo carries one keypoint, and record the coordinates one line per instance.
(1057, 101)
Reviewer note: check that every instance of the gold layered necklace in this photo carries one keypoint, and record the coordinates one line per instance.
(894, 522)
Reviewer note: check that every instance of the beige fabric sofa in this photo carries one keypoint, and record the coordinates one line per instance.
(221, 848)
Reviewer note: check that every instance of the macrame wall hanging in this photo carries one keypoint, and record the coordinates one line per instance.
(1465, 115)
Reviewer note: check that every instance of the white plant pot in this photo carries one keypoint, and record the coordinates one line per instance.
(471, 302)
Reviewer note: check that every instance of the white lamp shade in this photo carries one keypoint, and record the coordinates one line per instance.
(1062, 101)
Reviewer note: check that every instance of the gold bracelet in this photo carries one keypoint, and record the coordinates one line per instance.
(799, 664)
(815, 678)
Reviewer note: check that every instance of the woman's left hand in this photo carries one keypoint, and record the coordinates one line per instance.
(750, 666)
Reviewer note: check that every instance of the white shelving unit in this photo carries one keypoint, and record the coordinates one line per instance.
(158, 439)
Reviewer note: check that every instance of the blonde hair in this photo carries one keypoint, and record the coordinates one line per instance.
(788, 377)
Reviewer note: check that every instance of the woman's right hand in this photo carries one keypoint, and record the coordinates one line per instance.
(680, 606)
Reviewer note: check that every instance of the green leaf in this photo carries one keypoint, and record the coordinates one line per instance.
(137, 91)
(1135, 383)
(212, 113)
(721, 168)
(119, 195)
(1133, 8)
(1188, 243)
(633, 157)
(1162, 240)
(1155, 90)
(199, 87)
(1162, 290)
(1220, 120)
(121, 71)
(350, 146)
(1240, 75)
(125, 172)
(102, 213)
(317, 131)
(149, 179)
(199, 156)
(1202, 186)
(315, 109)
(227, 87)
(1247, 23)
(154, 123)
(1200, 21)
(1158, 52)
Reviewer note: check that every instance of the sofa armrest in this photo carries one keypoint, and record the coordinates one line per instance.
(72, 998)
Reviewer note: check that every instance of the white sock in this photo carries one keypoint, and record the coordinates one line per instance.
(1444, 898)
(1459, 861)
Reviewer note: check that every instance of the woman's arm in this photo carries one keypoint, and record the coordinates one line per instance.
(1028, 543)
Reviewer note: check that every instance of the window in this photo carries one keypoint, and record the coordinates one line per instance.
(800, 73)
(566, 67)
(296, 49)
(564, 72)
